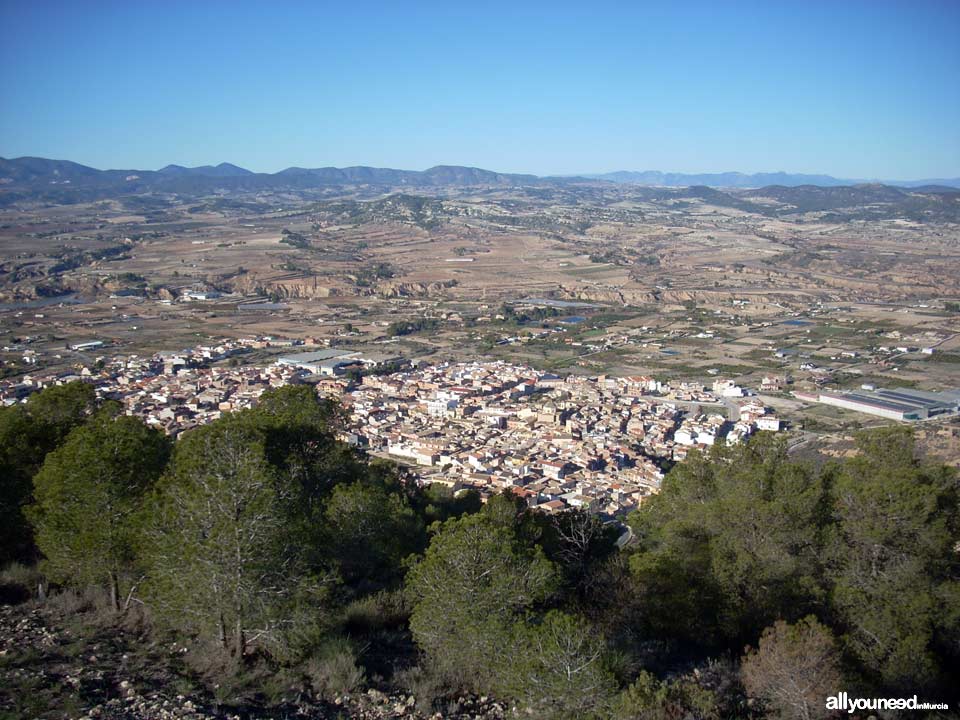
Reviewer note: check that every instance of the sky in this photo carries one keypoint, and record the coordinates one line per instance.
(856, 89)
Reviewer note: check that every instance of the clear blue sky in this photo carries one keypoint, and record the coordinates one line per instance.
(855, 89)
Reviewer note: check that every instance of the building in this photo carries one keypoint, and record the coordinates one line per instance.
(91, 345)
(201, 295)
(900, 404)
(338, 366)
(443, 405)
(335, 361)
(318, 362)
(728, 388)
(768, 422)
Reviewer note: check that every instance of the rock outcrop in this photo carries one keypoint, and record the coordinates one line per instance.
(394, 288)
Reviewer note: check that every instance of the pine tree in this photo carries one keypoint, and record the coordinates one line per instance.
(213, 540)
(27, 433)
(87, 498)
(478, 577)
(892, 560)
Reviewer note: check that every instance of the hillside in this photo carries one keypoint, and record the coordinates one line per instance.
(258, 567)
(60, 181)
(744, 180)
(31, 179)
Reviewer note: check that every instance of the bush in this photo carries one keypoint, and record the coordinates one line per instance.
(333, 669)
(19, 583)
(69, 602)
(651, 699)
(89, 610)
(379, 611)
(13, 594)
(426, 686)
(235, 681)
(557, 668)
(794, 670)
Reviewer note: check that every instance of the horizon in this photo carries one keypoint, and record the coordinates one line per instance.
(585, 174)
(543, 89)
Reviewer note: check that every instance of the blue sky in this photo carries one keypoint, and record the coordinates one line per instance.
(855, 89)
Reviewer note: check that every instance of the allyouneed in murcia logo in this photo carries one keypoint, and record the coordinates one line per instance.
(843, 701)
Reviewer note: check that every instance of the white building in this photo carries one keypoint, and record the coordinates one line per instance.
(768, 422)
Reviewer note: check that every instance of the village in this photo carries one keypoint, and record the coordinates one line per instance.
(598, 443)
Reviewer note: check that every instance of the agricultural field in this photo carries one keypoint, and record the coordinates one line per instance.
(582, 277)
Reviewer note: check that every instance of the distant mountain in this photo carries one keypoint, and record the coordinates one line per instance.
(457, 175)
(65, 182)
(815, 197)
(221, 170)
(952, 183)
(742, 180)
(60, 181)
(439, 175)
(841, 203)
(865, 201)
(32, 170)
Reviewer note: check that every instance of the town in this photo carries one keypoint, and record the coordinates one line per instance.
(598, 443)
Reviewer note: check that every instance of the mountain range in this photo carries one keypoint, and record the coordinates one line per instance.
(62, 181)
(755, 180)
(34, 172)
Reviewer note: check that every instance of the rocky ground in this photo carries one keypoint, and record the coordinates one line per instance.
(54, 666)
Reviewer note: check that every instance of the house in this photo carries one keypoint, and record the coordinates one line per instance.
(555, 470)
(769, 422)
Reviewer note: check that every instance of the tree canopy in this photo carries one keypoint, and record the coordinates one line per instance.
(88, 494)
(27, 433)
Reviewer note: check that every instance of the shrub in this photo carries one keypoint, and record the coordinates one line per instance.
(794, 670)
(427, 686)
(19, 583)
(651, 699)
(70, 602)
(379, 611)
(333, 669)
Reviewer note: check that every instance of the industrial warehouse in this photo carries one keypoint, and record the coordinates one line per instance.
(337, 361)
(899, 404)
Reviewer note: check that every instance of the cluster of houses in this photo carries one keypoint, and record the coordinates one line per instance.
(172, 390)
(596, 443)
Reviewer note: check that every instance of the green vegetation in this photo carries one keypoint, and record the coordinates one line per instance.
(374, 272)
(424, 212)
(130, 278)
(288, 267)
(409, 327)
(283, 557)
(27, 433)
(295, 239)
(533, 315)
(87, 496)
(624, 256)
(71, 258)
(746, 537)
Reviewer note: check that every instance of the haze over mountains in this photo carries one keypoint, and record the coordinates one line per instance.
(36, 173)
(30, 179)
(755, 180)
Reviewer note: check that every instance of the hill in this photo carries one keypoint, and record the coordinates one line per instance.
(31, 179)
(61, 181)
(222, 170)
(756, 180)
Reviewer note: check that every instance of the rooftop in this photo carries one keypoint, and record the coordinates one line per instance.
(315, 356)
